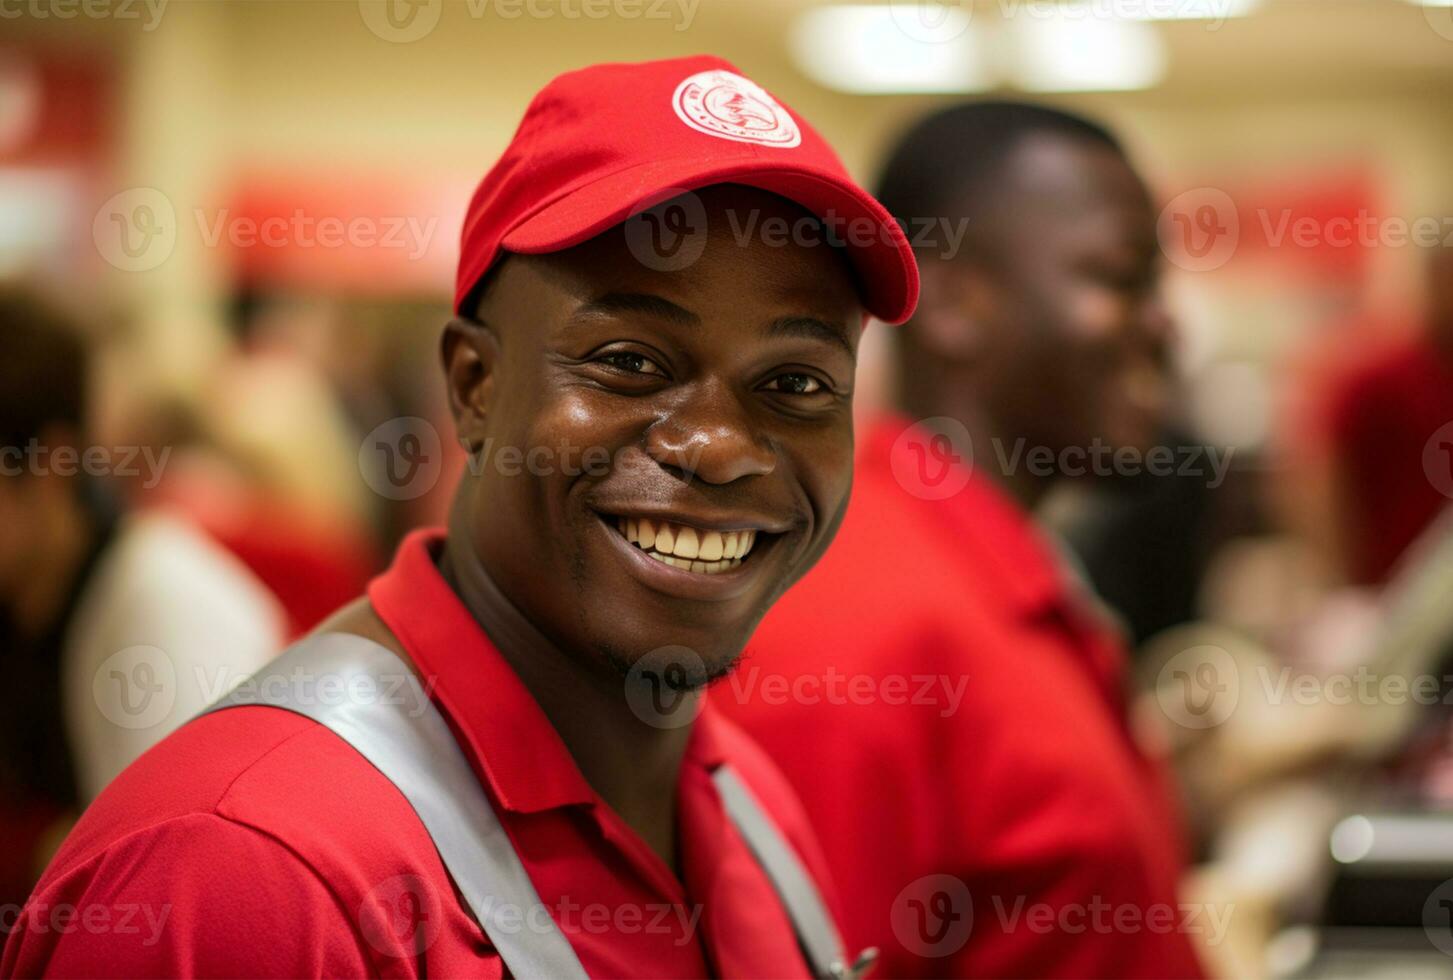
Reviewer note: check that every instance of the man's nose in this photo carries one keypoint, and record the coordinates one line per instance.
(709, 435)
(1154, 322)
(1155, 326)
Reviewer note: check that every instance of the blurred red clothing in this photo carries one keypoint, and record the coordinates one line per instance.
(311, 563)
(255, 842)
(1392, 464)
(946, 704)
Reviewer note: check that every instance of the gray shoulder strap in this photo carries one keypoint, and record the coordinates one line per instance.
(815, 930)
(388, 718)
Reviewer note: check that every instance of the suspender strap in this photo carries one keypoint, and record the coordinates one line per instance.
(396, 727)
(815, 930)
(390, 721)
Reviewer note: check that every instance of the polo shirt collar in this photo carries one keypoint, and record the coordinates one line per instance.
(502, 729)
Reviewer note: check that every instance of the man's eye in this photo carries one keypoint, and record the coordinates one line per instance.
(795, 384)
(632, 362)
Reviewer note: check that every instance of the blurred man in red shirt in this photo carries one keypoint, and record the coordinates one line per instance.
(1387, 427)
(967, 756)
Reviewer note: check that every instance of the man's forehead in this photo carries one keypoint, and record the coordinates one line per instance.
(1054, 171)
(740, 261)
(562, 294)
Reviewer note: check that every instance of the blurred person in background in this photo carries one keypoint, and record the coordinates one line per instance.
(114, 629)
(1384, 427)
(988, 775)
(1147, 541)
(269, 462)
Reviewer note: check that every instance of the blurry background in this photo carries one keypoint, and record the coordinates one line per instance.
(238, 112)
(254, 206)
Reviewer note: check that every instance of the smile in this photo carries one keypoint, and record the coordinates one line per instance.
(685, 547)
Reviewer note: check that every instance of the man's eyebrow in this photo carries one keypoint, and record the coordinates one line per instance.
(813, 329)
(647, 304)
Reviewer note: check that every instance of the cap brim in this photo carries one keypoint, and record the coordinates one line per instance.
(875, 243)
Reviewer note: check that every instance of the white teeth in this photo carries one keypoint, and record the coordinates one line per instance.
(700, 567)
(685, 547)
(711, 546)
(688, 545)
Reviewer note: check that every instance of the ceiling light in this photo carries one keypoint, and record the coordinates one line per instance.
(890, 48)
(1075, 51)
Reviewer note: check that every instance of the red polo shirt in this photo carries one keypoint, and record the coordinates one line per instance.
(947, 703)
(1388, 420)
(254, 842)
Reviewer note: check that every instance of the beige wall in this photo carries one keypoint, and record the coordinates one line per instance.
(222, 87)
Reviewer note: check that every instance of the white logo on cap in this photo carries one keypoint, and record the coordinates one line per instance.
(726, 105)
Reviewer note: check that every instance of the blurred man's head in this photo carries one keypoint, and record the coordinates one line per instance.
(1047, 320)
(42, 407)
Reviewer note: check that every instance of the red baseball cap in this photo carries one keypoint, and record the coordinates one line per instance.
(603, 143)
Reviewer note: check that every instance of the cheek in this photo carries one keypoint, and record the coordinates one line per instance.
(1097, 315)
(825, 471)
(581, 429)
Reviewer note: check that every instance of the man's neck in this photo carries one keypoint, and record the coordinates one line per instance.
(633, 766)
(993, 451)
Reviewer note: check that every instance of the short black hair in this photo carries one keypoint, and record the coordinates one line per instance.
(43, 368)
(946, 165)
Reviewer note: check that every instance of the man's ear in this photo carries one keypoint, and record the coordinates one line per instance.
(955, 309)
(471, 357)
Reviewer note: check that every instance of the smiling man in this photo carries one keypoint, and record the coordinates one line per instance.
(498, 762)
